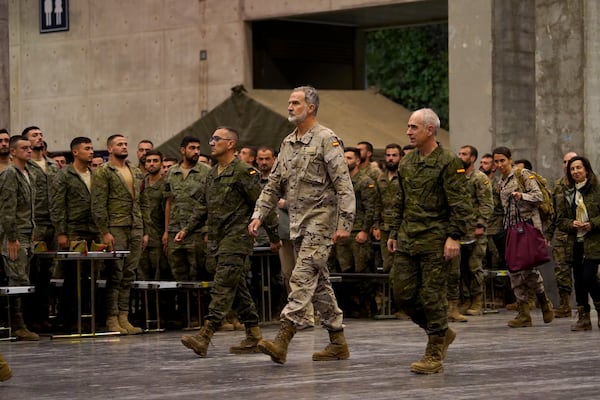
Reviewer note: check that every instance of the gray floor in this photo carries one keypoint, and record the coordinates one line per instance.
(488, 360)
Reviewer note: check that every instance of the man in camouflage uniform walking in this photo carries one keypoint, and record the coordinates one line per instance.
(116, 211)
(17, 202)
(561, 250)
(433, 213)
(71, 214)
(471, 255)
(312, 175)
(227, 200)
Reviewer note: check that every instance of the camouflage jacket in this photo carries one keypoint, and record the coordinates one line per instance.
(228, 200)
(528, 205)
(388, 191)
(432, 202)
(17, 202)
(182, 191)
(565, 215)
(152, 203)
(372, 172)
(43, 180)
(113, 204)
(367, 202)
(496, 221)
(311, 173)
(559, 191)
(71, 203)
(480, 189)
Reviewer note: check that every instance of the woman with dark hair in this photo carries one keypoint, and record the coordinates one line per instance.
(527, 196)
(578, 213)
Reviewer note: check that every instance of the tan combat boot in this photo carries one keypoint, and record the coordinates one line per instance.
(277, 349)
(112, 323)
(564, 309)
(475, 308)
(453, 314)
(337, 349)
(124, 322)
(546, 306)
(584, 322)
(448, 339)
(523, 318)
(432, 361)
(248, 345)
(199, 342)
(5, 371)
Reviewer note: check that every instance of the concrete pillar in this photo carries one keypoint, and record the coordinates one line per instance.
(559, 61)
(592, 83)
(4, 64)
(470, 73)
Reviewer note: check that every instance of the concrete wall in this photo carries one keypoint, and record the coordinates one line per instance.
(591, 89)
(4, 63)
(470, 73)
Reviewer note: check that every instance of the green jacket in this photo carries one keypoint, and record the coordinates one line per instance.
(388, 191)
(182, 192)
(367, 202)
(71, 203)
(565, 212)
(480, 191)
(17, 202)
(113, 204)
(228, 200)
(152, 203)
(432, 202)
(43, 180)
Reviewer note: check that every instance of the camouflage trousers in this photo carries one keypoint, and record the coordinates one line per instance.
(310, 283)
(187, 259)
(419, 284)
(230, 290)
(40, 273)
(353, 256)
(388, 258)
(287, 259)
(121, 273)
(562, 270)
(17, 272)
(454, 278)
(153, 265)
(471, 269)
(522, 281)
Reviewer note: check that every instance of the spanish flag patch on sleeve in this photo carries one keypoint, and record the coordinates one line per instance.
(335, 144)
(460, 171)
(531, 177)
(251, 172)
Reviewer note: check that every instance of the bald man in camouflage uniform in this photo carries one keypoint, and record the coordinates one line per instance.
(227, 200)
(433, 213)
(312, 175)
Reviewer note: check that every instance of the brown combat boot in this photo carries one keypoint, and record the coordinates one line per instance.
(453, 314)
(448, 339)
(584, 323)
(277, 349)
(475, 308)
(564, 309)
(26, 335)
(337, 349)
(200, 341)
(5, 371)
(112, 324)
(432, 361)
(546, 306)
(523, 318)
(513, 306)
(124, 322)
(248, 345)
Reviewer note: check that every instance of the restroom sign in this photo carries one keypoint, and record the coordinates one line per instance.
(54, 15)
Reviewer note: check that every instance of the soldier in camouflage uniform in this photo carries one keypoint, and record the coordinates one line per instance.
(561, 249)
(471, 255)
(153, 264)
(187, 257)
(71, 214)
(312, 175)
(116, 211)
(433, 212)
(17, 202)
(43, 169)
(227, 200)
(4, 149)
(366, 165)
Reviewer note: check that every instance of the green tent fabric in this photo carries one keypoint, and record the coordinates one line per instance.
(257, 124)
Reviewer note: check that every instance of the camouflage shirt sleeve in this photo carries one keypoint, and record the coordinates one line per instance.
(461, 210)
(340, 177)
(8, 203)
(100, 199)
(58, 204)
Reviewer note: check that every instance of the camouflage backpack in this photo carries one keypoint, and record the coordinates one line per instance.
(546, 208)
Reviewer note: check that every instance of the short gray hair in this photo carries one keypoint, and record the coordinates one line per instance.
(311, 96)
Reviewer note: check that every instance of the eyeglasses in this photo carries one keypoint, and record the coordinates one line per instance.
(216, 138)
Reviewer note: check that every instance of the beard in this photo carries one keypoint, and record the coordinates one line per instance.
(466, 164)
(120, 156)
(192, 160)
(392, 166)
(297, 119)
(487, 172)
(4, 152)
